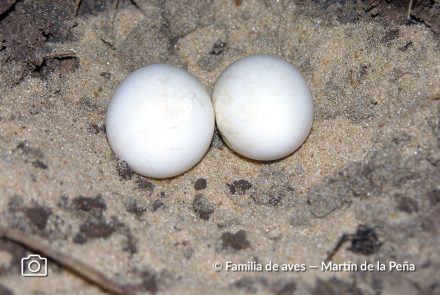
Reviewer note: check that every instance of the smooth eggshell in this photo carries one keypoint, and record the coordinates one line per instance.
(160, 121)
(263, 107)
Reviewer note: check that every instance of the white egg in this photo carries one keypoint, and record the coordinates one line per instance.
(263, 107)
(160, 121)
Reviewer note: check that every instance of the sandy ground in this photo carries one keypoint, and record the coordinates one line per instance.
(369, 169)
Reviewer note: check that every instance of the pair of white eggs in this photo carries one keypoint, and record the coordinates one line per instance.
(161, 119)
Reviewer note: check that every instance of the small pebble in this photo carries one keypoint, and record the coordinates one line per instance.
(200, 184)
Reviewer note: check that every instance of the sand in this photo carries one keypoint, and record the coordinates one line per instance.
(370, 167)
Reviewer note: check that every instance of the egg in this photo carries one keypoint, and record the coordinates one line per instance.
(160, 120)
(263, 107)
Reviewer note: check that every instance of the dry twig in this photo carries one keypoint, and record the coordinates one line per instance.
(410, 6)
(76, 266)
